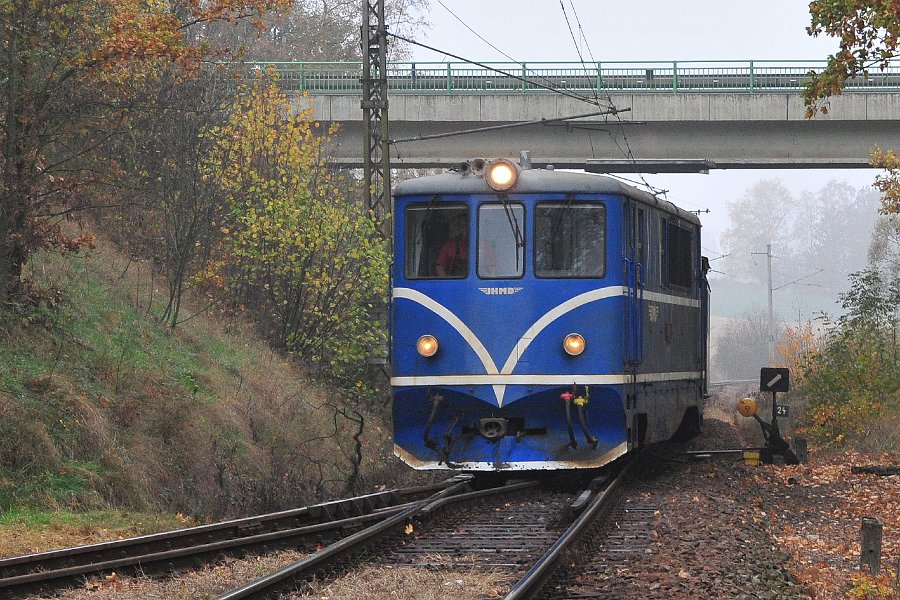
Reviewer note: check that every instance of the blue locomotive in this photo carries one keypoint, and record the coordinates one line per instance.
(542, 319)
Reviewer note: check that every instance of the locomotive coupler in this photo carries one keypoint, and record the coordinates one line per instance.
(493, 428)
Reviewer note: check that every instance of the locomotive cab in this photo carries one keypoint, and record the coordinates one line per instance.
(525, 332)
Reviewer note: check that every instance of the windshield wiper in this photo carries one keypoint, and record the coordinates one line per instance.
(513, 225)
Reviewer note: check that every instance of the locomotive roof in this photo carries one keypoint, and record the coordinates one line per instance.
(536, 181)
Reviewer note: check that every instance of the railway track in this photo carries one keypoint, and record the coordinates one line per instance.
(642, 547)
(48, 571)
(335, 557)
(522, 531)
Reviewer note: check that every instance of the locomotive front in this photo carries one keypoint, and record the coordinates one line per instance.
(509, 311)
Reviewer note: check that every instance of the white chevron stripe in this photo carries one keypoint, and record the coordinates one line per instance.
(457, 324)
(553, 314)
(499, 383)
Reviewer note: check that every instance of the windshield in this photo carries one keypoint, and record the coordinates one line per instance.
(501, 255)
(570, 240)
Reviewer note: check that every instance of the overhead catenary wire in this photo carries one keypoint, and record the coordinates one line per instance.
(711, 251)
(604, 112)
(437, 136)
(536, 84)
(627, 151)
(475, 33)
(610, 107)
(629, 155)
(797, 262)
(483, 39)
(797, 280)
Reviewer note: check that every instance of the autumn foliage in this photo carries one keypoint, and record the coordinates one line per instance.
(74, 75)
(868, 34)
(889, 184)
(849, 375)
(815, 513)
(298, 251)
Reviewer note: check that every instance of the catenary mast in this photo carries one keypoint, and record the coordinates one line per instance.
(377, 163)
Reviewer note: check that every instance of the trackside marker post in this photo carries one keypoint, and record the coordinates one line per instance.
(870, 546)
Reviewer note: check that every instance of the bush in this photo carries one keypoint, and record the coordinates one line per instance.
(852, 382)
(298, 252)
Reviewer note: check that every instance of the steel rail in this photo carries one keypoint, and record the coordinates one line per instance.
(148, 560)
(530, 583)
(45, 570)
(144, 544)
(266, 586)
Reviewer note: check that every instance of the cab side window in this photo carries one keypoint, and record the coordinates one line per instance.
(677, 255)
(436, 241)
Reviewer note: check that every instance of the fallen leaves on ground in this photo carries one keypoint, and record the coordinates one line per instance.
(816, 513)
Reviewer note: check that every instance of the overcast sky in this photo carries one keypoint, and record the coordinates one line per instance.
(640, 30)
(635, 30)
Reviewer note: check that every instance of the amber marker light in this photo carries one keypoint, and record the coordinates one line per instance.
(573, 344)
(427, 345)
(502, 175)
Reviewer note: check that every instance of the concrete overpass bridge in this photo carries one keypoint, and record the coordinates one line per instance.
(671, 116)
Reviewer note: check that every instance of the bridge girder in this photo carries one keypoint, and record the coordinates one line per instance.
(666, 133)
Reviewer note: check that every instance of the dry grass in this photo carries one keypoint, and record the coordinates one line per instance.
(411, 583)
(65, 530)
(208, 582)
(371, 583)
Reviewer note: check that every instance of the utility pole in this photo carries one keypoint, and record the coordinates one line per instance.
(771, 313)
(377, 160)
(771, 326)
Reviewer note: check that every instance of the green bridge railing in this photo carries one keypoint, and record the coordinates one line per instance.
(748, 76)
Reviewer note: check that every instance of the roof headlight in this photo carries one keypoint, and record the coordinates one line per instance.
(502, 174)
(427, 346)
(573, 344)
